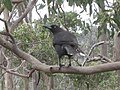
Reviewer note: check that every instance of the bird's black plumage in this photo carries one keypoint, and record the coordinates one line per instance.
(64, 42)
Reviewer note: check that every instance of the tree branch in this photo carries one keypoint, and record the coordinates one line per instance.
(6, 26)
(95, 45)
(17, 1)
(21, 65)
(12, 72)
(27, 10)
(12, 12)
(1, 9)
(100, 56)
(55, 69)
(7, 33)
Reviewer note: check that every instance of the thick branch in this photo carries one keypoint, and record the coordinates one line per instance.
(88, 70)
(22, 54)
(55, 69)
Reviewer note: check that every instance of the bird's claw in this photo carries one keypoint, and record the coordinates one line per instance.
(69, 65)
(61, 65)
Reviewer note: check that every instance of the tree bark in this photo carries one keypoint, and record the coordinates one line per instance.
(117, 52)
(25, 80)
(48, 81)
(8, 77)
(104, 46)
(1, 71)
(55, 69)
(35, 81)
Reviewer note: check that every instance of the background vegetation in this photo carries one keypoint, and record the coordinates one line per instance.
(32, 38)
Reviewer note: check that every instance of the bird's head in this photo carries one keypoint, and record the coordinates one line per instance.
(54, 28)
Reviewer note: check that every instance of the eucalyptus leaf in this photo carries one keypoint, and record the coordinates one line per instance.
(45, 18)
(100, 3)
(8, 4)
(43, 1)
(41, 6)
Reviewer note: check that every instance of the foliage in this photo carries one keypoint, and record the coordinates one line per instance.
(7, 4)
(36, 41)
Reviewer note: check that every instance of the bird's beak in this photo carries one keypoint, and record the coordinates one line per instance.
(48, 27)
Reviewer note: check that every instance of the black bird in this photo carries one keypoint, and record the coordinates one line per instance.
(64, 42)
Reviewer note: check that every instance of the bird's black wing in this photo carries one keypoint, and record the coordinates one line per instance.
(64, 38)
(67, 41)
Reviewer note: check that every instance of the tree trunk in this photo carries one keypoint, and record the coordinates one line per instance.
(8, 77)
(48, 81)
(1, 71)
(35, 78)
(117, 52)
(26, 84)
(104, 46)
(25, 80)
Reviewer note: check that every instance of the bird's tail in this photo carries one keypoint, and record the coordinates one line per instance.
(70, 51)
(80, 58)
(78, 55)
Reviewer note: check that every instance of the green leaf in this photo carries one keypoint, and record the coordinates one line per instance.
(49, 1)
(43, 1)
(99, 31)
(85, 32)
(100, 3)
(8, 4)
(71, 2)
(90, 9)
(41, 6)
(45, 18)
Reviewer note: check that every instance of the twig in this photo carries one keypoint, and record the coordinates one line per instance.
(101, 58)
(30, 73)
(23, 62)
(12, 72)
(64, 17)
(7, 33)
(12, 12)
(105, 58)
(6, 26)
(37, 12)
(27, 10)
(91, 50)
(1, 9)
(95, 45)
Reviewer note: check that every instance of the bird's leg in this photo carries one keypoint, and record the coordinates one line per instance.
(60, 64)
(69, 62)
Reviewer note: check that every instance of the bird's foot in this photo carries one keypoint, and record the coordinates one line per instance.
(69, 65)
(61, 65)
